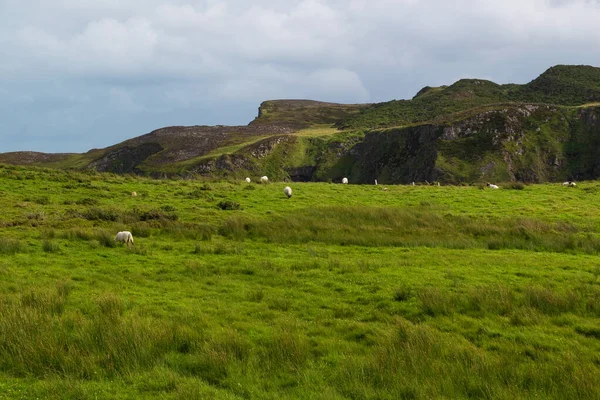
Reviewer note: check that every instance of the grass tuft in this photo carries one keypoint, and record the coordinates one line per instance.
(10, 246)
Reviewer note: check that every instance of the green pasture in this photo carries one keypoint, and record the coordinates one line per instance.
(233, 291)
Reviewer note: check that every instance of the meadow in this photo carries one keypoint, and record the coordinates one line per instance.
(232, 291)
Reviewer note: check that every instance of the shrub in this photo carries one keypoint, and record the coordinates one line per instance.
(50, 247)
(106, 239)
(514, 185)
(403, 293)
(229, 205)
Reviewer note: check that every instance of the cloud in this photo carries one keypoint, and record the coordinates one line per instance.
(332, 84)
(123, 100)
(206, 58)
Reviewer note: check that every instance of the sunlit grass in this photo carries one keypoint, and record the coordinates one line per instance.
(317, 130)
(342, 291)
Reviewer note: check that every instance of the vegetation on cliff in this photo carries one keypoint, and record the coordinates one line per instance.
(473, 130)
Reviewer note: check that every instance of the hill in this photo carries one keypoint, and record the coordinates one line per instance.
(560, 85)
(472, 130)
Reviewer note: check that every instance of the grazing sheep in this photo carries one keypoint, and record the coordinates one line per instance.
(124, 237)
(492, 186)
(133, 194)
(344, 180)
(248, 180)
(264, 179)
(288, 191)
(569, 183)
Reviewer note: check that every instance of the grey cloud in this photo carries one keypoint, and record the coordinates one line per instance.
(85, 68)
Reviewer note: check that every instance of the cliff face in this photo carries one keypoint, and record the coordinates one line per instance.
(471, 131)
(529, 143)
(125, 159)
(582, 152)
(398, 156)
(523, 143)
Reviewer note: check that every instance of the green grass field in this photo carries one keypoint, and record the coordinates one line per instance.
(232, 291)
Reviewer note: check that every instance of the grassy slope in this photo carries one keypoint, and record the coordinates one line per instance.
(343, 291)
(446, 105)
(462, 95)
(562, 85)
(303, 117)
(304, 113)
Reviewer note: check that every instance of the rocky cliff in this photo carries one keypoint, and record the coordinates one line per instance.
(471, 131)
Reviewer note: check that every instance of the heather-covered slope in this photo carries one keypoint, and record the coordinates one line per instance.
(472, 130)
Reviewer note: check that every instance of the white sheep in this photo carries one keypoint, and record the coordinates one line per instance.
(124, 237)
(264, 179)
(569, 183)
(345, 180)
(248, 180)
(288, 191)
(492, 186)
(133, 194)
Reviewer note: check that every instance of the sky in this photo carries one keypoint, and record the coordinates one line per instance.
(83, 74)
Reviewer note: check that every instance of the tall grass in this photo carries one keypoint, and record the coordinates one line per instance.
(417, 361)
(10, 246)
(411, 227)
(308, 298)
(38, 337)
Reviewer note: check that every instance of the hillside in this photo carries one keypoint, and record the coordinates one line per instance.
(559, 85)
(304, 113)
(473, 130)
